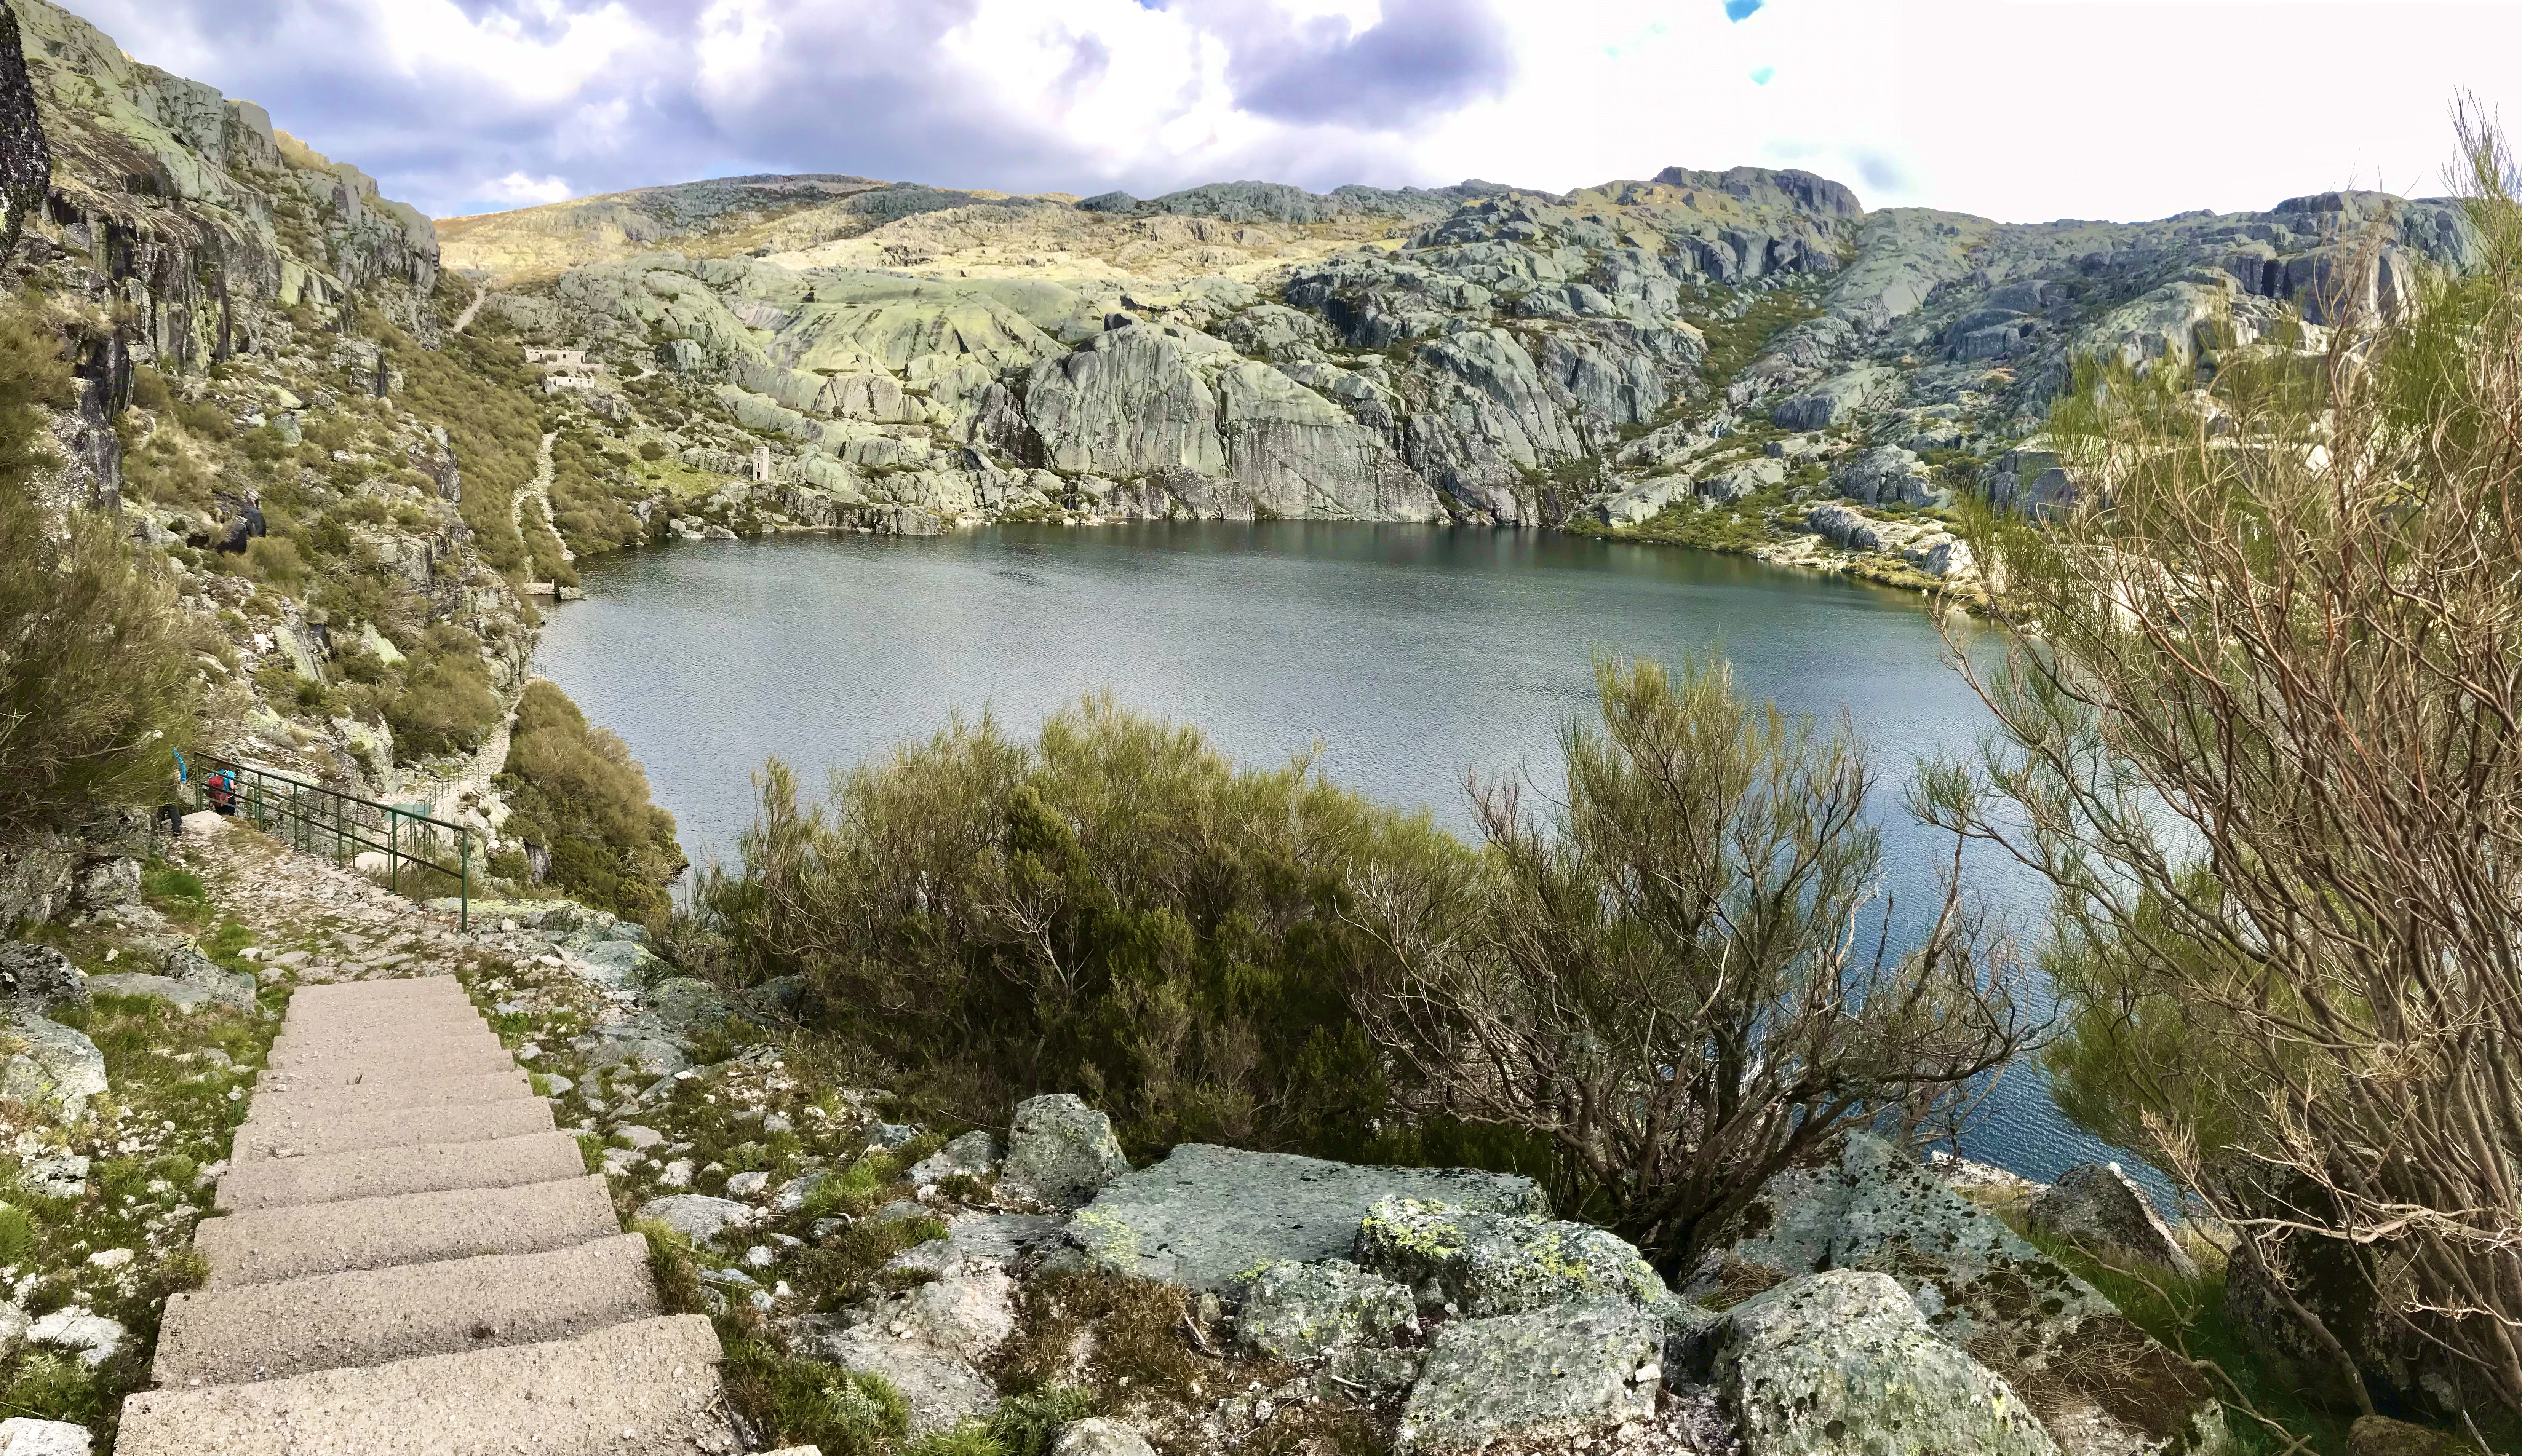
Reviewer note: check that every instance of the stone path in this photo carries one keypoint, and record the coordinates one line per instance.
(414, 1261)
(481, 295)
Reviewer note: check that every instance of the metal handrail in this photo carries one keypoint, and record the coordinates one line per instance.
(309, 816)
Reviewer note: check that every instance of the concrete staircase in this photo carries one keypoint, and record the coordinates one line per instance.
(415, 1262)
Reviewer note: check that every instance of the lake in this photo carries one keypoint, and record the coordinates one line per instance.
(1407, 656)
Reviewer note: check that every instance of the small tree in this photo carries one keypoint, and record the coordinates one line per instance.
(1663, 980)
(96, 676)
(2261, 726)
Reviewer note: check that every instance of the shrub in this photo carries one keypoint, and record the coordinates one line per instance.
(275, 560)
(1664, 979)
(149, 391)
(446, 704)
(1114, 909)
(575, 790)
(96, 670)
(2258, 728)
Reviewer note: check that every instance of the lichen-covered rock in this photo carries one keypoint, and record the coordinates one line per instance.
(1212, 1217)
(1303, 1311)
(2100, 1384)
(1543, 1374)
(697, 1216)
(931, 1343)
(2102, 1208)
(1841, 1364)
(39, 978)
(973, 1155)
(49, 1066)
(1505, 1263)
(1060, 1151)
(1099, 1435)
(233, 990)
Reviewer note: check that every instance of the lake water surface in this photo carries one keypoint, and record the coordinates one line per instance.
(1409, 654)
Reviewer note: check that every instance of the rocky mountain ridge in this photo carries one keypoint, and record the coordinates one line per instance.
(1638, 357)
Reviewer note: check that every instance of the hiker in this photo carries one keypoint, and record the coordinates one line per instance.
(221, 789)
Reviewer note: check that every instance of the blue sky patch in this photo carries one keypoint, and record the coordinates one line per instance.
(1742, 10)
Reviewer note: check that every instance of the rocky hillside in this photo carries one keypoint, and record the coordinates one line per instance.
(1701, 356)
(273, 393)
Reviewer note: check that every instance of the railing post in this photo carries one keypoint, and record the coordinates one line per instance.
(464, 880)
(339, 800)
(394, 862)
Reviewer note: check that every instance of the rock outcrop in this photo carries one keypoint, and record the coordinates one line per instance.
(1842, 1363)
(2097, 1382)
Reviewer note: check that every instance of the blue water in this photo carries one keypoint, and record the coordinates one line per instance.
(1408, 655)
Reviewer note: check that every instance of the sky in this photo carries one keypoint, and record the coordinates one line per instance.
(2017, 109)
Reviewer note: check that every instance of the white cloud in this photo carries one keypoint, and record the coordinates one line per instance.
(519, 189)
(2020, 109)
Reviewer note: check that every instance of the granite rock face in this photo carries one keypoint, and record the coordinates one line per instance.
(1211, 1218)
(1841, 1364)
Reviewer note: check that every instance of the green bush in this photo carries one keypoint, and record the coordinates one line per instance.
(1114, 909)
(575, 790)
(446, 704)
(96, 668)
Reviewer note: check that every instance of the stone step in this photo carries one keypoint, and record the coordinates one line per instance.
(396, 1092)
(384, 1067)
(354, 996)
(645, 1388)
(353, 1018)
(309, 1131)
(272, 1244)
(323, 994)
(414, 1047)
(452, 1018)
(381, 1173)
(370, 1316)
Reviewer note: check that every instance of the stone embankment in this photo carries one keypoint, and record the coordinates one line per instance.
(414, 1259)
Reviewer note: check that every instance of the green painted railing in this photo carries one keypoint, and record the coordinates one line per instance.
(315, 820)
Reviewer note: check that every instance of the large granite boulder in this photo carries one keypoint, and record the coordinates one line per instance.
(2100, 1206)
(1540, 1375)
(48, 1067)
(2100, 1384)
(39, 978)
(1302, 1311)
(1060, 1151)
(1746, 478)
(1839, 400)
(1841, 1364)
(1506, 1263)
(1647, 500)
(1212, 1217)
